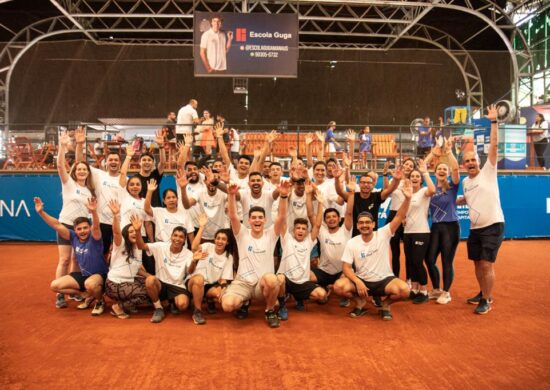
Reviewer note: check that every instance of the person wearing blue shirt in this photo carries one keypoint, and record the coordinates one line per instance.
(88, 248)
(425, 141)
(330, 138)
(445, 230)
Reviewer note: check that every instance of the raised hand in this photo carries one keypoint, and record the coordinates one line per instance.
(130, 151)
(223, 174)
(352, 184)
(257, 151)
(181, 178)
(350, 135)
(337, 172)
(319, 196)
(292, 152)
(136, 223)
(92, 204)
(64, 139)
(422, 166)
(114, 206)
(208, 175)
(309, 188)
(232, 188)
(272, 136)
(199, 255)
(449, 145)
(398, 172)
(284, 188)
(38, 205)
(80, 135)
(203, 219)
(152, 185)
(407, 189)
(346, 160)
(180, 146)
(218, 129)
(159, 138)
(492, 112)
(188, 139)
(320, 136)
(308, 139)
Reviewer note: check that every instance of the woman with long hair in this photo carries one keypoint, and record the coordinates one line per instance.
(125, 281)
(76, 188)
(445, 231)
(416, 237)
(540, 138)
(208, 141)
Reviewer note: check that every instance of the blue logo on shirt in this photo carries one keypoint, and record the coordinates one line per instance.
(250, 248)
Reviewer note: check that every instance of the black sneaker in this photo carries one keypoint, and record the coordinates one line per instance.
(357, 312)
(198, 318)
(300, 305)
(386, 315)
(272, 318)
(211, 306)
(242, 313)
(483, 307)
(174, 309)
(412, 295)
(421, 298)
(377, 301)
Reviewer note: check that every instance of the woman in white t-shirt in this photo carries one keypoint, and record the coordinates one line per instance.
(125, 282)
(416, 236)
(213, 272)
(76, 188)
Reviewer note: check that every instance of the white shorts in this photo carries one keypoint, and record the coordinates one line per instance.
(244, 290)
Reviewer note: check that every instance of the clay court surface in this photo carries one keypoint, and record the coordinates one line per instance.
(426, 346)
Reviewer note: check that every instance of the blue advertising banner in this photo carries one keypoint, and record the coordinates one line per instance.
(230, 44)
(525, 201)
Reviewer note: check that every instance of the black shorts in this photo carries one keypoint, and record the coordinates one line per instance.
(323, 278)
(207, 287)
(81, 279)
(484, 243)
(378, 289)
(62, 241)
(169, 291)
(300, 291)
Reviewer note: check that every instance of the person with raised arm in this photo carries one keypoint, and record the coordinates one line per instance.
(85, 239)
(366, 263)
(256, 272)
(481, 194)
(125, 283)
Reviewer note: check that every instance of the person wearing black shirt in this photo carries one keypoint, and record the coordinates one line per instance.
(366, 199)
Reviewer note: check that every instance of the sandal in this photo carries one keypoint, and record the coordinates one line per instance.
(120, 316)
(86, 303)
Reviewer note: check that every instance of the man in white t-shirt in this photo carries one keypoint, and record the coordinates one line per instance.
(173, 262)
(486, 217)
(187, 118)
(366, 263)
(194, 185)
(256, 273)
(214, 46)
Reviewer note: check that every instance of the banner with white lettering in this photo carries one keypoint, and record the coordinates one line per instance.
(230, 44)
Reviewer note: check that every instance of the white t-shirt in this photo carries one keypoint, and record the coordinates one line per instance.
(214, 208)
(332, 248)
(543, 126)
(483, 197)
(295, 263)
(122, 268)
(186, 115)
(296, 208)
(75, 198)
(265, 200)
(255, 254)
(170, 267)
(397, 197)
(417, 215)
(216, 49)
(193, 189)
(214, 267)
(236, 146)
(371, 259)
(107, 187)
(330, 196)
(131, 206)
(165, 222)
(234, 177)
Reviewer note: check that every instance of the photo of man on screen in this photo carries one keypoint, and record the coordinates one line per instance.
(214, 46)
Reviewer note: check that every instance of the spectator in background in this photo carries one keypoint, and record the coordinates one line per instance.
(365, 147)
(98, 147)
(206, 133)
(170, 126)
(223, 122)
(235, 144)
(330, 138)
(540, 139)
(187, 117)
(425, 141)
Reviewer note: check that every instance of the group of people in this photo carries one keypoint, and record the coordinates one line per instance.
(234, 232)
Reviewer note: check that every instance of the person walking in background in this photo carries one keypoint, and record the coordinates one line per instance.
(540, 138)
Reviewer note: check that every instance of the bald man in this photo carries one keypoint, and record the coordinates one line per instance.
(187, 118)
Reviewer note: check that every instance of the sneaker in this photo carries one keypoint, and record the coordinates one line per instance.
(174, 309)
(444, 298)
(421, 298)
(76, 297)
(129, 308)
(475, 300)
(386, 315)
(86, 303)
(283, 313)
(412, 295)
(377, 301)
(344, 302)
(158, 316)
(484, 307)
(198, 318)
(60, 302)
(300, 305)
(357, 312)
(242, 313)
(272, 319)
(435, 293)
(211, 306)
(98, 308)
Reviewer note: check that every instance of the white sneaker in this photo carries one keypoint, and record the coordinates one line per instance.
(436, 293)
(444, 298)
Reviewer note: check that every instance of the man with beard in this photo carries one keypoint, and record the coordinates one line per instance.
(486, 217)
(194, 186)
(366, 263)
(255, 196)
